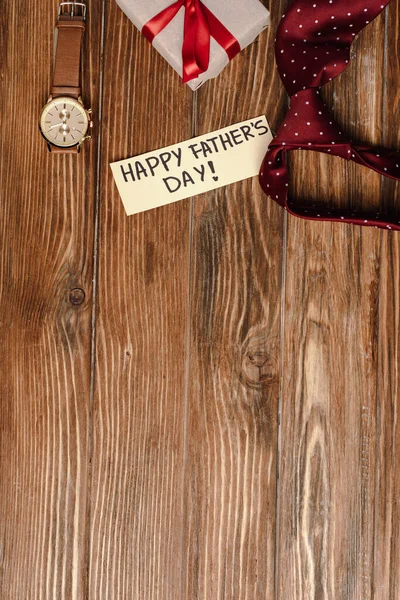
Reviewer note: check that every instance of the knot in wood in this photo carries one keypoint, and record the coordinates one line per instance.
(258, 368)
(77, 296)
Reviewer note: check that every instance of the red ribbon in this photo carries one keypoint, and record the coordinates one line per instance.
(200, 26)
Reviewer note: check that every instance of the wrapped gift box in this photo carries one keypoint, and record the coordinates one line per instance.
(245, 19)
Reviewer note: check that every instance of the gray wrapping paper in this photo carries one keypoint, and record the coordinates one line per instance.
(245, 19)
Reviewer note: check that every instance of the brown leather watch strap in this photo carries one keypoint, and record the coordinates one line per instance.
(64, 150)
(67, 66)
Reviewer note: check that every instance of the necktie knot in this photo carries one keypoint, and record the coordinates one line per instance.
(309, 125)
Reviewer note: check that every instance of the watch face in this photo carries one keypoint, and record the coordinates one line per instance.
(64, 122)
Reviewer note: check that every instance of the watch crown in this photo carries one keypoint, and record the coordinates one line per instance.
(90, 111)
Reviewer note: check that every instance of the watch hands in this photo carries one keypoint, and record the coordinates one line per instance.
(56, 125)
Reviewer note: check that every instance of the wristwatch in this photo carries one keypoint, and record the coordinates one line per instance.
(64, 121)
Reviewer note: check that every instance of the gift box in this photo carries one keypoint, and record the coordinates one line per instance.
(198, 38)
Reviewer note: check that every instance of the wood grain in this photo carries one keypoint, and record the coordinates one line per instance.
(327, 463)
(236, 289)
(46, 251)
(198, 402)
(387, 551)
(141, 343)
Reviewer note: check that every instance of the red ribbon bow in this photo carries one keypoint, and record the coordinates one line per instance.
(200, 25)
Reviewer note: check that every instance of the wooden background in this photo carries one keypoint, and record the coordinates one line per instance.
(199, 402)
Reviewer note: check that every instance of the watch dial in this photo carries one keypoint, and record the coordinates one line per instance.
(64, 122)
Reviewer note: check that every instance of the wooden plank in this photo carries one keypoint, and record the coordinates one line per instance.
(46, 252)
(387, 553)
(236, 289)
(327, 463)
(141, 341)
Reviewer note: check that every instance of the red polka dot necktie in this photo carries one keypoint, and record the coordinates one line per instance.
(312, 48)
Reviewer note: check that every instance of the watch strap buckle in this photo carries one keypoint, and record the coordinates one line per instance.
(80, 12)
